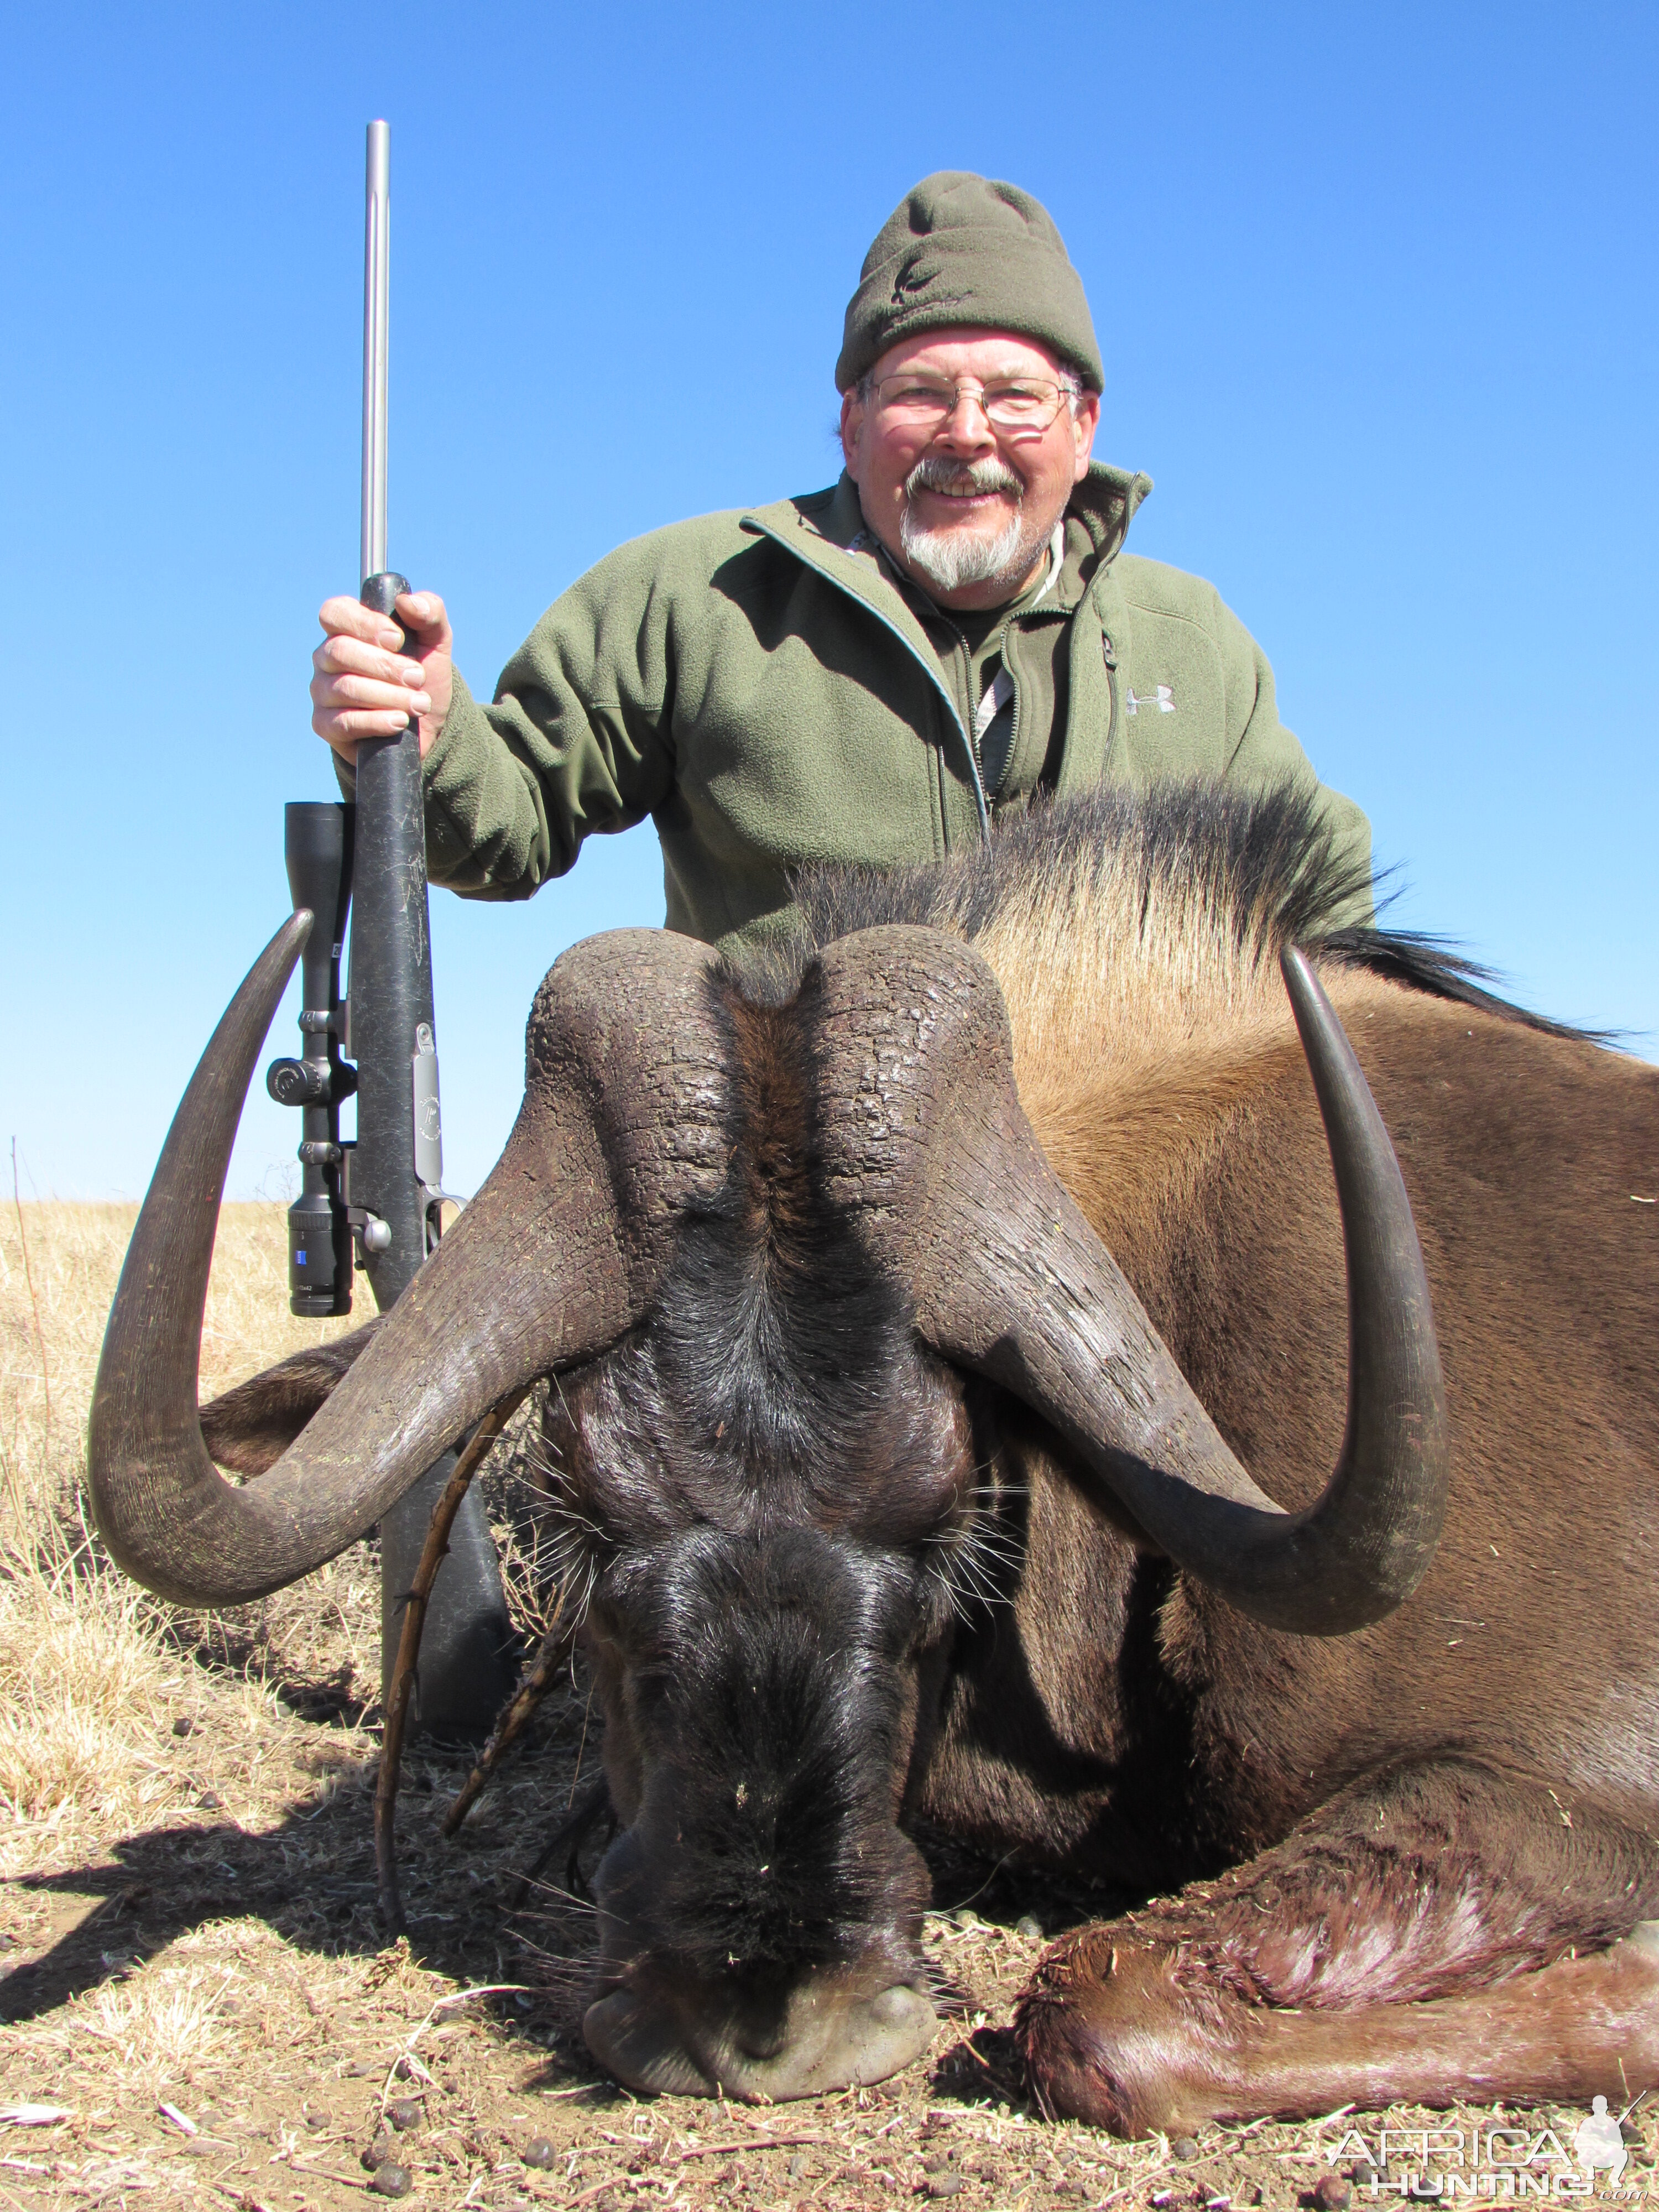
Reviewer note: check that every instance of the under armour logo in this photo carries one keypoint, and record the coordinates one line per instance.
(1162, 699)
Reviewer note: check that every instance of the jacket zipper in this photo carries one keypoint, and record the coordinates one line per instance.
(1014, 726)
(961, 637)
(932, 674)
(1110, 652)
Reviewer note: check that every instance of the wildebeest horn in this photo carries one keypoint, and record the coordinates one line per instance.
(559, 1254)
(926, 1138)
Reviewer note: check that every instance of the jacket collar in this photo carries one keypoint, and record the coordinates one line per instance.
(1105, 504)
(831, 523)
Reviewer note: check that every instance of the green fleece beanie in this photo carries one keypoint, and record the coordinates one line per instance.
(962, 249)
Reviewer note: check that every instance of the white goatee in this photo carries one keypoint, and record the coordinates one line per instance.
(953, 560)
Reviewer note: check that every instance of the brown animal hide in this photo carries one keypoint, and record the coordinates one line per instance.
(840, 1584)
(1402, 1843)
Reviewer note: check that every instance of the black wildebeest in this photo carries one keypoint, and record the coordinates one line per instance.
(919, 1298)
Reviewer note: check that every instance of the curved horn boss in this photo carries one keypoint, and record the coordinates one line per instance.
(926, 1140)
(554, 1259)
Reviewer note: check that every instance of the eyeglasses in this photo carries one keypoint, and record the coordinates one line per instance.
(1016, 404)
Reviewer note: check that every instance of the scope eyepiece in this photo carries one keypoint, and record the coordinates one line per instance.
(318, 1257)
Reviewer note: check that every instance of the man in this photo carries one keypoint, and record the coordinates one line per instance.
(877, 673)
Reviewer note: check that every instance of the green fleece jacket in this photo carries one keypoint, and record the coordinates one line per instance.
(756, 684)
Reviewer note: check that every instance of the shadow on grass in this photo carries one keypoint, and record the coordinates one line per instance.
(310, 1878)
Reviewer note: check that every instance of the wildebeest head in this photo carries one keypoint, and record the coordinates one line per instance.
(774, 1489)
(766, 1246)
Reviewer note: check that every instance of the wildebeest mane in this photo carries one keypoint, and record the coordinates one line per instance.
(1425, 962)
(1258, 870)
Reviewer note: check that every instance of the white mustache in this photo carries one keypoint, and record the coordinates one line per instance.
(938, 472)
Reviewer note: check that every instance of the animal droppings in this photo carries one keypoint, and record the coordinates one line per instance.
(1183, 2148)
(540, 2153)
(391, 2180)
(944, 2184)
(1331, 2193)
(404, 2114)
(1030, 1927)
(378, 2152)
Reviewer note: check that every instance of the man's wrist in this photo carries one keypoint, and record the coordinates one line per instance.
(444, 735)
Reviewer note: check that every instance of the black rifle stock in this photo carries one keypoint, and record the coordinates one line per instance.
(466, 1651)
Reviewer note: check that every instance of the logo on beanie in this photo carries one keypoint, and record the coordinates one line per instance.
(914, 275)
(917, 285)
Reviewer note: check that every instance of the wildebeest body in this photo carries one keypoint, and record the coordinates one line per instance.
(839, 1584)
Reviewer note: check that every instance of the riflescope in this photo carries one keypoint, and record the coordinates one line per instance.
(317, 845)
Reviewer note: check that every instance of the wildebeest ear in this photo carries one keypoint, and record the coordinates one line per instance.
(248, 1429)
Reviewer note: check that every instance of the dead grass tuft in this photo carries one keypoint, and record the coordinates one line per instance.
(85, 1685)
(161, 2021)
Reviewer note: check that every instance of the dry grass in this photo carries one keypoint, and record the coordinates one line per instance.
(188, 1916)
(93, 1673)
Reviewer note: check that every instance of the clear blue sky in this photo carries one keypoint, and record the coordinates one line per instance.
(1376, 288)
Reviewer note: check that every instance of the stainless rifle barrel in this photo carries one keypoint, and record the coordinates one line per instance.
(377, 312)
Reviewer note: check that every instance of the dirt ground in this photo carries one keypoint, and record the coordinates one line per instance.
(196, 1998)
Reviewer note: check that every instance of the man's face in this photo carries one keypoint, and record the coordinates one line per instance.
(964, 505)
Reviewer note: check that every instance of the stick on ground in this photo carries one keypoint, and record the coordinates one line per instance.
(409, 1650)
(537, 1680)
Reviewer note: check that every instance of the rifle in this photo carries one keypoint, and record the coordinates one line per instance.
(375, 1203)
